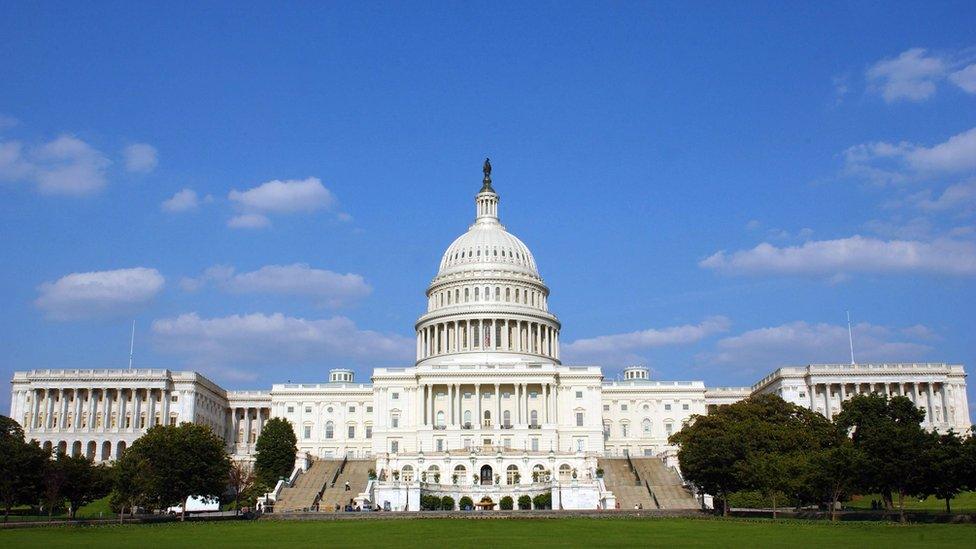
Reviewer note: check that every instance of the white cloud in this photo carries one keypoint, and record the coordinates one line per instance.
(800, 343)
(959, 197)
(294, 195)
(883, 163)
(274, 339)
(911, 76)
(13, 165)
(965, 78)
(249, 221)
(325, 287)
(182, 201)
(618, 344)
(99, 294)
(68, 165)
(140, 158)
(855, 254)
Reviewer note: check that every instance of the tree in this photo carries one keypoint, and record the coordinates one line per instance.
(889, 434)
(276, 448)
(465, 503)
(21, 467)
(524, 502)
(82, 481)
(542, 501)
(182, 461)
(241, 480)
(834, 473)
(946, 467)
(506, 503)
(760, 443)
(55, 477)
(133, 483)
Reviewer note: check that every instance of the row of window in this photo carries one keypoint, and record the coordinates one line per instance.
(330, 431)
(330, 409)
(511, 294)
(645, 428)
(646, 407)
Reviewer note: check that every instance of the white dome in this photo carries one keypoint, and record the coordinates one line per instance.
(487, 246)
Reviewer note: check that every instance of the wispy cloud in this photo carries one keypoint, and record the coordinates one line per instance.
(99, 294)
(322, 286)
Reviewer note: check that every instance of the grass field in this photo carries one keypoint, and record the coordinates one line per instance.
(569, 532)
(965, 502)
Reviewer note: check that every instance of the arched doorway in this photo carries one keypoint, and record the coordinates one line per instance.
(76, 448)
(92, 448)
(486, 476)
(106, 451)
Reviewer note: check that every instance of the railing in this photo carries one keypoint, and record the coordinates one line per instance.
(338, 471)
(535, 426)
(654, 497)
(637, 479)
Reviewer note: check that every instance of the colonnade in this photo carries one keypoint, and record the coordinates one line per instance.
(929, 396)
(97, 409)
(521, 415)
(494, 334)
(247, 423)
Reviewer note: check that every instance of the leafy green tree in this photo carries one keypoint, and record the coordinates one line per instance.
(182, 461)
(542, 501)
(82, 481)
(465, 503)
(276, 448)
(834, 473)
(524, 502)
(761, 443)
(946, 466)
(506, 503)
(889, 434)
(55, 477)
(132, 488)
(21, 467)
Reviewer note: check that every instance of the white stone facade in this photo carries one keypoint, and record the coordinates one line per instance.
(487, 409)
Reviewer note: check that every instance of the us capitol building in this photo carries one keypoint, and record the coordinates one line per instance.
(488, 408)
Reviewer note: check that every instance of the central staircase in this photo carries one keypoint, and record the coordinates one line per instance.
(645, 481)
(353, 471)
(302, 496)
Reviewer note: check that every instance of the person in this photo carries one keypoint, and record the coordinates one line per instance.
(347, 485)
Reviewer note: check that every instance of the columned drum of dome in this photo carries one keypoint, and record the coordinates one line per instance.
(488, 303)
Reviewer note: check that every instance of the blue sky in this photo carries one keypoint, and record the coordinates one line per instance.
(267, 191)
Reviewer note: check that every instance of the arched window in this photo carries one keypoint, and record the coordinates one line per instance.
(467, 418)
(433, 474)
(329, 429)
(539, 474)
(477, 293)
(512, 474)
(507, 418)
(460, 475)
(440, 419)
(646, 427)
(487, 418)
(534, 418)
(406, 474)
(565, 472)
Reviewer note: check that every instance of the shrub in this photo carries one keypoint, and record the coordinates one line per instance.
(599, 472)
(465, 503)
(505, 503)
(524, 502)
(430, 503)
(447, 503)
(542, 501)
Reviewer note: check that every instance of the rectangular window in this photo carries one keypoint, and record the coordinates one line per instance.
(507, 443)
(606, 407)
(440, 445)
(291, 409)
(369, 409)
(308, 409)
(394, 446)
(352, 431)
(579, 419)
(535, 444)
(579, 394)
(395, 422)
(533, 395)
(684, 406)
(395, 396)
(369, 431)
(802, 394)
(623, 407)
(580, 444)
(668, 428)
(467, 443)
(352, 409)
(174, 398)
(667, 406)
(308, 432)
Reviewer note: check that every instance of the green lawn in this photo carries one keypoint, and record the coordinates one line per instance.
(964, 502)
(570, 532)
